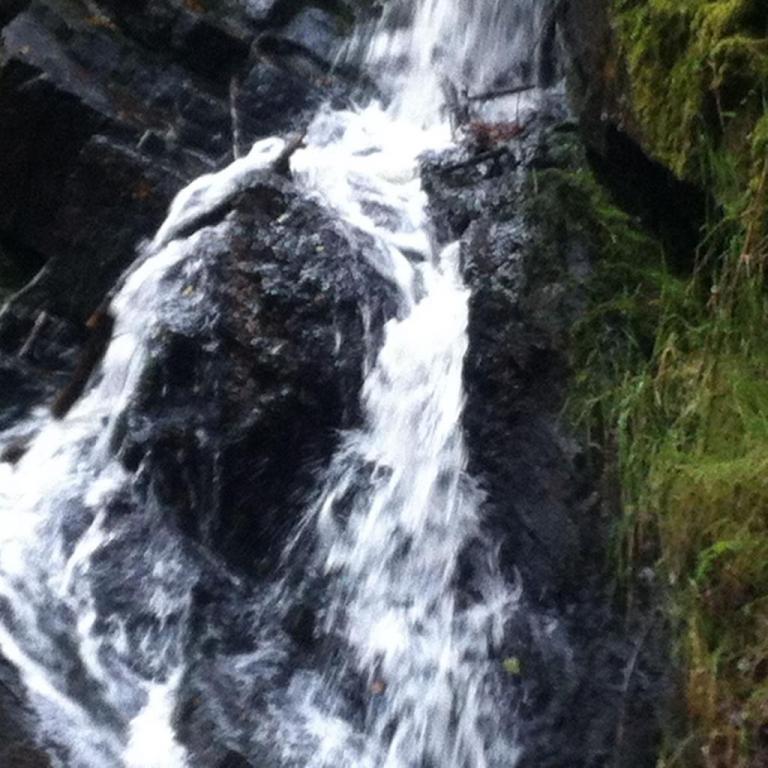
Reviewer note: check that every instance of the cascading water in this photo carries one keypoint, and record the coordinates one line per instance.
(394, 514)
(65, 561)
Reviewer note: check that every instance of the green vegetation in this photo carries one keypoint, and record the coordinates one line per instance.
(698, 73)
(675, 380)
(672, 371)
(512, 666)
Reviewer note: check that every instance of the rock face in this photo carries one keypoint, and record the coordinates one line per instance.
(527, 286)
(108, 110)
(16, 724)
(234, 412)
(600, 95)
(587, 685)
(237, 408)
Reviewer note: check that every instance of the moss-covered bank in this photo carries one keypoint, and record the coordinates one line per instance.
(672, 370)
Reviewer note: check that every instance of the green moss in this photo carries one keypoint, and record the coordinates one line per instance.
(705, 499)
(699, 79)
(512, 666)
(689, 421)
(657, 43)
(671, 374)
(760, 138)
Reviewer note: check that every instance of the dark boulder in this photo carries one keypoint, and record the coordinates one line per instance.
(292, 72)
(20, 389)
(10, 8)
(316, 32)
(114, 195)
(107, 110)
(233, 417)
(597, 83)
(37, 353)
(514, 373)
(44, 130)
(234, 760)
(272, 99)
(210, 38)
(98, 135)
(240, 406)
(525, 293)
(106, 114)
(23, 756)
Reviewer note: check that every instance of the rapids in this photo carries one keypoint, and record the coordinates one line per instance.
(394, 512)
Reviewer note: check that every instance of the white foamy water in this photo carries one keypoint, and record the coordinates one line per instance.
(396, 515)
(397, 510)
(421, 49)
(54, 542)
(394, 512)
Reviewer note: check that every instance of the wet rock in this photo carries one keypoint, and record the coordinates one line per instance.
(596, 80)
(17, 744)
(21, 387)
(21, 756)
(234, 760)
(463, 186)
(108, 109)
(239, 408)
(289, 77)
(211, 37)
(107, 112)
(317, 32)
(115, 196)
(13, 453)
(525, 294)
(208, 47)
(514, 374)
(261, 11)
(281, 91)
(44, 130)
(100, 326)
(141, 96)
(39, 340)
(232, 419)
(83, 182)
(526, 263)
(10, 8)
(25, 384)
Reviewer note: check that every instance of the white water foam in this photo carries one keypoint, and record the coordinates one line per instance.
(394, 514)
(53, 535)
(397, 510)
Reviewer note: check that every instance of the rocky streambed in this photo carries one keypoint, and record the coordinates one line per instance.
(107, 110)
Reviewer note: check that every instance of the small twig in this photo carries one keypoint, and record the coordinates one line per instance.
(34, 334)
(282, 164)
(234, 112)
(490, 95)
(489, 155)
(629, 673)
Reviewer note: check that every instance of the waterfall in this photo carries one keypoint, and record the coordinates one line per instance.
(394, 512)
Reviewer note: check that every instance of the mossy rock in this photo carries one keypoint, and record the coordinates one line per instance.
(699, 77)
